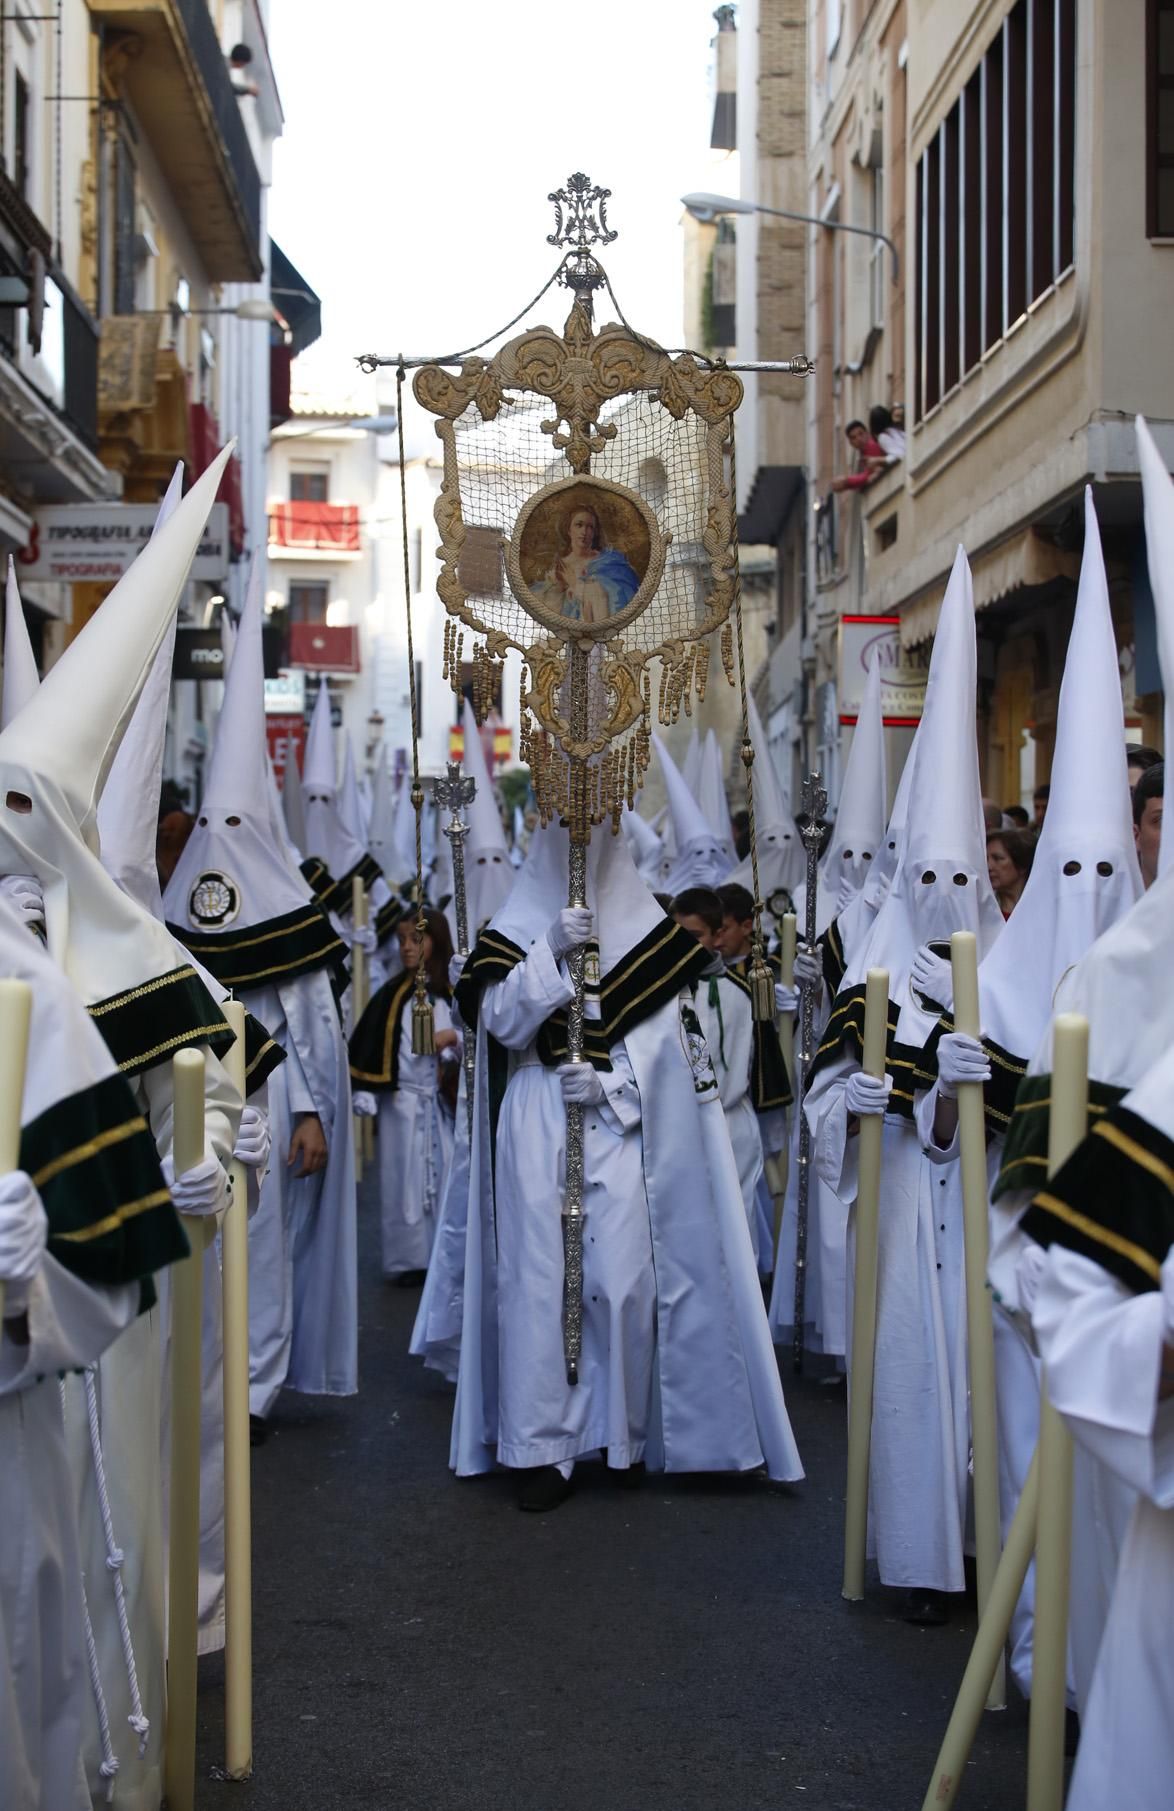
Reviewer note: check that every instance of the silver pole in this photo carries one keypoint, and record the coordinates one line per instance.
(814, 804)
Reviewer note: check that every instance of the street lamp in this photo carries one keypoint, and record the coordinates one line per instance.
(707, 208)
(253, 308)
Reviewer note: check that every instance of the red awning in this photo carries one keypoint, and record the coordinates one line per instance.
(319, 527)
(319, 649)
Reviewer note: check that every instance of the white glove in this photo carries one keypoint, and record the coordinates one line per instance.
(808, 967)
(456, 968)
(24, 1230)
(933, 976)
(960, 1059)
(363, 937)
(572, 927)
(864, 1094)
(580, 1084)
(23, 893)
(202, 1190)
(364, 1105)
(252, 1139)
(786, 998)
(1168, 1294)
(1033, 1261)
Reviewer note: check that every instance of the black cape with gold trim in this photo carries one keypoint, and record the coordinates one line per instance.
(374, 1043)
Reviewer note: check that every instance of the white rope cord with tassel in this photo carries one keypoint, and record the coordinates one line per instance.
(109, 1764)
(137, 1719)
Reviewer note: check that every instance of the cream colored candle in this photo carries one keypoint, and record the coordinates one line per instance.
(187, 1294)
(1067, 1128)
(788, 933)
(359, 996)
(979, 1324)
(876, 1016)
(16, 1005)
(238, 1514)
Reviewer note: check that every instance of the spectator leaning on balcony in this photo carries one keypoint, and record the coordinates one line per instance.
(884, 430)
(871, 459)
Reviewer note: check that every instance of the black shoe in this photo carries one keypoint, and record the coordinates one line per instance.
(927, 1608)
(258, 1430)
(410, 1279)
(543, 1489)
(1071, 1734)
(628, 1477)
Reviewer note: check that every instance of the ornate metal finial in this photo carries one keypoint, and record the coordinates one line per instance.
(812, 805)
(580, 215)
(458, 790)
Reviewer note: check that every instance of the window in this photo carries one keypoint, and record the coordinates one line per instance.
(995, 194)
(308, 600)
(309, 486)
(20, 134)
(1159, 59)
(125, 223)
(723, 289)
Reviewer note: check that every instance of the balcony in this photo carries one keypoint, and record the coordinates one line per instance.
(173, 73)
(317, 648)
(304, 530)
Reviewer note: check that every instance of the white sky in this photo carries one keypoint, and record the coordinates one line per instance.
(423, 136)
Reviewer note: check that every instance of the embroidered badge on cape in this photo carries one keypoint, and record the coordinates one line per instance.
(697, 1051)
(215, 900)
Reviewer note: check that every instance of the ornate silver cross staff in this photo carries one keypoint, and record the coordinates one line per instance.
(452, 794)
(811, 827)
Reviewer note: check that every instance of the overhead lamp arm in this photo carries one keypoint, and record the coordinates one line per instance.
(708, 207)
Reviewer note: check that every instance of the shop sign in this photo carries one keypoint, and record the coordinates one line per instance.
(94, 543)
(864, 639)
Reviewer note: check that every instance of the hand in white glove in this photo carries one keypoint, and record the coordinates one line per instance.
(363, 936)
(864, 1094)
(580, 1084)
(252, 1139)
(572, 927)
(960, 1059)
(23, 893)
(786, 998)
(456, 968)
(24, 1230)
(808, 967)
(364, 1105)
(203, 1190)
(1033, 1261)
(1168, 1294)
(933, 976)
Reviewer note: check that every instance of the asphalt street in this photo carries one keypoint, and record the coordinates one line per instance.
(419, 1644)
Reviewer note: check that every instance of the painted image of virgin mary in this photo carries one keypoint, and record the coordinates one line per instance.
(588, 582)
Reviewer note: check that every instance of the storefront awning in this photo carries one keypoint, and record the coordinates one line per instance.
(298, 305)
(1025, 562)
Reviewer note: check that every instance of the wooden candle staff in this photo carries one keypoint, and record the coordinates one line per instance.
(980, 1329)
(238, 1549)
(359, 995)
(876, 1018)
(16, 1005)
(187, 1301)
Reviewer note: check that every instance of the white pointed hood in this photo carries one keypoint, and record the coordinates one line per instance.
(489, 873)
(647, 849)
(1085, 874)
(293, 802)
(60, 749)
(1158, 491)
(381, 835)
(403, 839)
(625, 911)
(782, 859)
(859, 832)
(327, 836)
(232, 873)
(21, 678)
(700, 860)
(128, 809)
(350, 806)
(691, 765)
(941, 884)
(711, 794)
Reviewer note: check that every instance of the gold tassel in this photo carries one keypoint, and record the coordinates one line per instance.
(423, 1027)
(762, 988)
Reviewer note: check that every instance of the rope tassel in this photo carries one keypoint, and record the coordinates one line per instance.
(423, 1027)
(762, 988)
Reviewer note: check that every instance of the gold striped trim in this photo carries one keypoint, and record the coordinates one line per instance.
(269, 1044)
(214, 945)
(1137, 1153)
(113, 1221)
(82, 1152)
(1125, 1248)
(196, 1034)
(659, 984)
(138, 993)
(281, 968)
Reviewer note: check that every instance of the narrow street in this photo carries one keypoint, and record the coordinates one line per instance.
(419, 1644)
